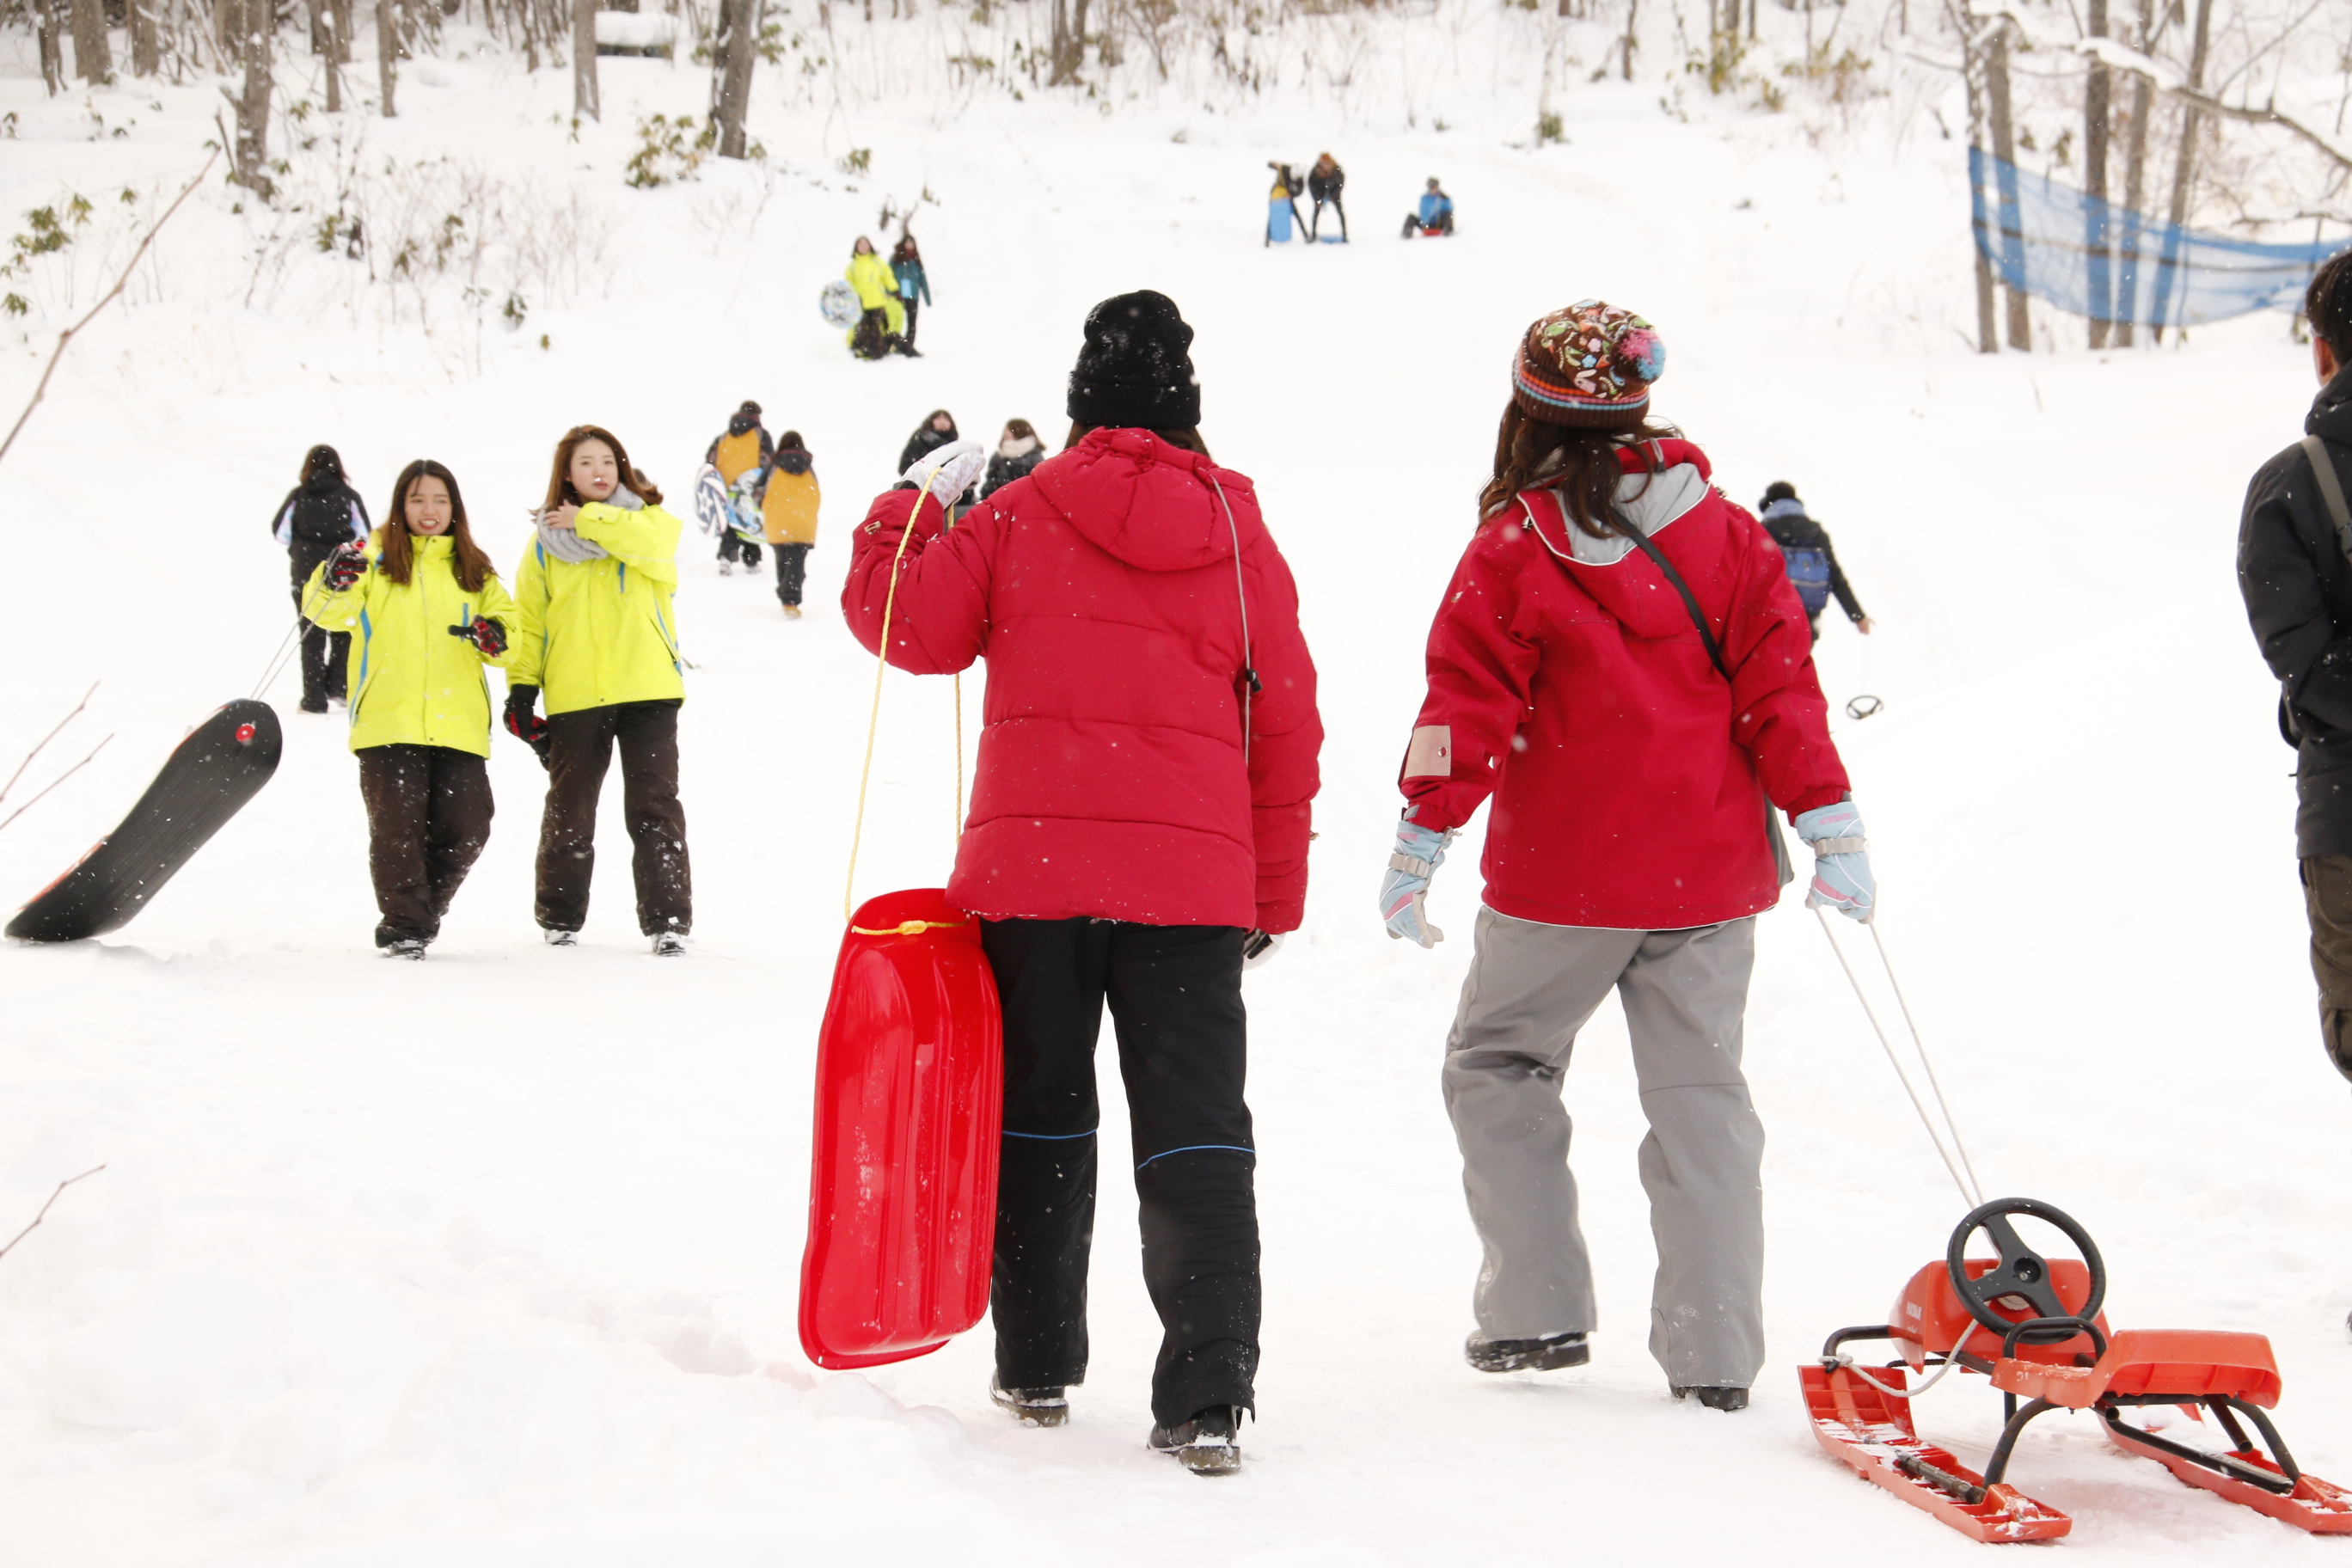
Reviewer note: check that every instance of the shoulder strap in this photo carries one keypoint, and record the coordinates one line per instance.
(2331, 490)
(1642, 543)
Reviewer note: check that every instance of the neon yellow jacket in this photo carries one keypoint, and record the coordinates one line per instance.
(411, 682)
(596, 633)
(877, 289)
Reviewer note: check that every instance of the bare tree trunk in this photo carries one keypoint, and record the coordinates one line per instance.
(2097, 111)
(387, 51)
(53, 53)
(1972, 69)
(93, 61)
(256, 29)
(146, 47)
(739, 53)
(1061, 43)
(2004, 152)
(1078, 37)
(586, 103)
(2185, 161)
(2135, 182)
(1626, 60)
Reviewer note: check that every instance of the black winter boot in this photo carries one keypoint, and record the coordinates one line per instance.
(1033, 1407)
(1714, 1397)
(1207, 1445)
(1545, 1354)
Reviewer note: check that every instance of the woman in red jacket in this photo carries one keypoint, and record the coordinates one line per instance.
(1621, 662)
(1138, 822)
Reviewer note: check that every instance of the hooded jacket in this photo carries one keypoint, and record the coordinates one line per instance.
(1113, 781)
(411, 682)
(318, 517)
(1014, 459)
(788, 510)
(1566, 677)
(2297, 585)
(597, 633)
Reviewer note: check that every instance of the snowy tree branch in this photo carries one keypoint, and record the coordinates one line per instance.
(37, 1218)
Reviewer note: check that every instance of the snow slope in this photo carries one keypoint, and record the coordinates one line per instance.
(492, 1260)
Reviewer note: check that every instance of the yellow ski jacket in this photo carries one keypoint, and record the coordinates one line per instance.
(877, 289)
(597, 633)
(411, 683)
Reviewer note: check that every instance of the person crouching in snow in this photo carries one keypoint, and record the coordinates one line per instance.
(741, 458)
(599, 636)
(1619, 661)
(1138, 832)
(878, 329)
(425, 612)
(1811, 559)
(788, 515)
(1434, 216)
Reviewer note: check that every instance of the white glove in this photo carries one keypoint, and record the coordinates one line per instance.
(949, 470)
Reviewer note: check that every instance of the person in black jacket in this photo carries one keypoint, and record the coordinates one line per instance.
(1324, 182)
(1811, 561)
(937, 429)
(1017, 455)
(2297, 584)
(317, 517)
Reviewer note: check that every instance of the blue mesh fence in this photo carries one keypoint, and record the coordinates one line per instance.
(2101, 260)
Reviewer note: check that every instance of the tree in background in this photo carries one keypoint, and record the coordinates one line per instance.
(387, 51)
(93, 62)
(585, 102)
(738, 50)
(256, 22)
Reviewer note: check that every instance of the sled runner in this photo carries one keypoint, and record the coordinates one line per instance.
(222, 763)
(2033, 1326)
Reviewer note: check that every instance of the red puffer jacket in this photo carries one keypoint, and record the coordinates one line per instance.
(1625, 771)
(1112, 781)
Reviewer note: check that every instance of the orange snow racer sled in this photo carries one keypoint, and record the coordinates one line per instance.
(2033, 1326)
(910, 1101)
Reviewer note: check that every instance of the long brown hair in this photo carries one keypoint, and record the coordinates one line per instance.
(1189, 437)
(395, 556)
(559, 483)
(1580, 464)
(322, 460)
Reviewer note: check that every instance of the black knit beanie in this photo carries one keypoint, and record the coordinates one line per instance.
(1134, 371)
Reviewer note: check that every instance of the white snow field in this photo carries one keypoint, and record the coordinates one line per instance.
(492, 1260)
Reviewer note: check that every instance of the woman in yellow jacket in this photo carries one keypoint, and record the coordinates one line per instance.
(883, 327)
(425, 612)
(599, 636)
(788, 517)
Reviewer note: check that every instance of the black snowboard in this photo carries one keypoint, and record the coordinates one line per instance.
(222, 764)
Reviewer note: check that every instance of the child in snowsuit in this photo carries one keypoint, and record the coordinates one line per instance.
(1285, 194)
(742, 458)
(1018, 453)
(598, 634)
(318, 515)
(1324, 182)
(1617, 662)
(1811, 561)
(914, 287)
(428, 613)
(878, 332)
(1434, 216)
(788, 513)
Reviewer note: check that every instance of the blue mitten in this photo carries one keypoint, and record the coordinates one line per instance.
(1842, 877)
(1419, 852)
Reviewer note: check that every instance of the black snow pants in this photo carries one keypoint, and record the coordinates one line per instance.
(733, 546)
(580, 749)
(326, 655)
(1175, 996)
(791, 571)
(428, 812)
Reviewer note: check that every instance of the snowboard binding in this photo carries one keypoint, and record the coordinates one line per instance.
(2033, 1326)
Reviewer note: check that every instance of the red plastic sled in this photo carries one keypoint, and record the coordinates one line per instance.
(910, 1109)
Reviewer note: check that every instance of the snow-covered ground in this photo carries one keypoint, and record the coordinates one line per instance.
(493, 1260)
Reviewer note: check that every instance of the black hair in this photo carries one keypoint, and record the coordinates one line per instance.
(323, 462)
(790, 441)
(750, 407)
(2327, 305)
(1779, 490)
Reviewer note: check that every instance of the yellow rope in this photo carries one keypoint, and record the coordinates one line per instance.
(908, 927)
(874, 718)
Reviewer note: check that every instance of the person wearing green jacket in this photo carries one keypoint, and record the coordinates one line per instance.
(914, 287)
(423, 611)
(598, 636)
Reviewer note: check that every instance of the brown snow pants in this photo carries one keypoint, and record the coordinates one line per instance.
(429, 816)
(580, 749)
(2327, 898)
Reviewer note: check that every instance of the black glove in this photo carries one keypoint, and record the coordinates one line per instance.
(523, 720)
(344, 566)
(486, 632)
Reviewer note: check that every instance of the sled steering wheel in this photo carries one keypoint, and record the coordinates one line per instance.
(2023, 1272)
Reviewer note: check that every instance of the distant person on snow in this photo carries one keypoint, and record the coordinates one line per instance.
(1282, 218)
(599, 635)
(1434, 216)
(2297, 584)
(1324, 182)
(428, 614)
(937, 430)
(1619, 660)
(789, 514)
(878, 331)
(914, 286)
(742, 456)
(318, 516)
(1018, 453)
(1139, 825)
(1811, 559)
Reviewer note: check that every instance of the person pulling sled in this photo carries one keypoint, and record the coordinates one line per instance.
(1138, 832)
(1619, 661)
(318, 516)
(1811, 559)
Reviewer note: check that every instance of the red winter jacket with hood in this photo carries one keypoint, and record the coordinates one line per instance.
(1112, 780)
(1566, 677)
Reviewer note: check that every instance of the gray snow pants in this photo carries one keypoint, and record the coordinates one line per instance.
(1531, 988)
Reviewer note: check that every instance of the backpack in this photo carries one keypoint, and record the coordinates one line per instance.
(1808, 573)
(321, 517)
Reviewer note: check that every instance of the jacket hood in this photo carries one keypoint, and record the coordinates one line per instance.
(794, 460)
(2331, 411)
(1148, 503)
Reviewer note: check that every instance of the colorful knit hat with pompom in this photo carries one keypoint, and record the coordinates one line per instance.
(1590, 365)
